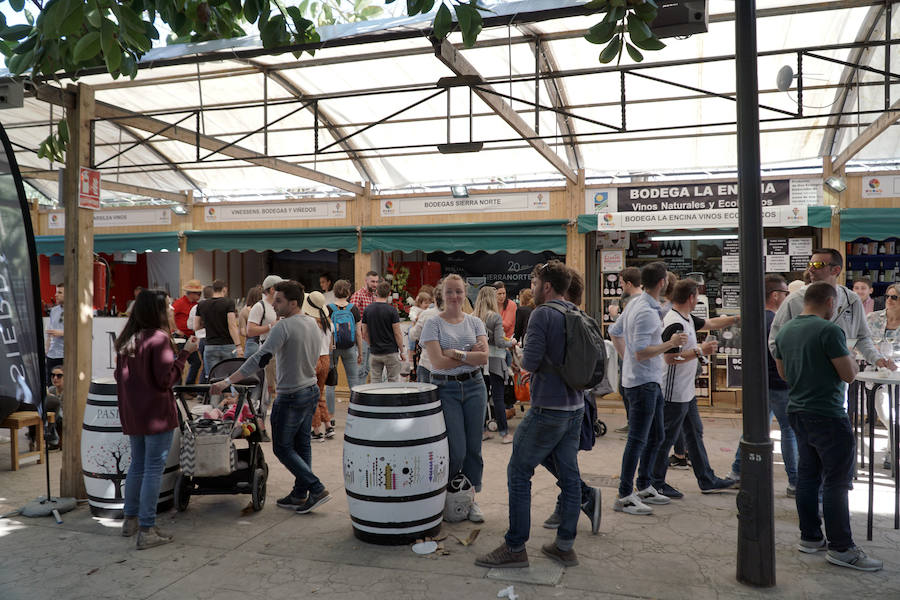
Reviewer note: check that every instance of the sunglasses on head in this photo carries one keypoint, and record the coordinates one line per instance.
(818, 264)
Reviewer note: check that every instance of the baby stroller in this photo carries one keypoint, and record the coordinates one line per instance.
(211, 463)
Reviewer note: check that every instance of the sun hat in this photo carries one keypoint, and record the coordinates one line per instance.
(313, 302)
(193, 285)
(271, 281)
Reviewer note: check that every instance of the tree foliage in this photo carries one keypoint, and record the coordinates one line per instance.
(632, 17)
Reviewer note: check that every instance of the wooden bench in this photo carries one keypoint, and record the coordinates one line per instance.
(20, 420)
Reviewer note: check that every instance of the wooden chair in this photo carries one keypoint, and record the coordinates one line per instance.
(19, 420)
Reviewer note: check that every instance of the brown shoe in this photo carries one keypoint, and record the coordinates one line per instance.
(152, 537)
(566, 558)
(504, 558)
(130, 526)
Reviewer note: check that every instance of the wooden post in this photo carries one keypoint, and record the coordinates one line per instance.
(575, 242)
(79, 291)
(185, 258)
(362, 211)
(831, 237)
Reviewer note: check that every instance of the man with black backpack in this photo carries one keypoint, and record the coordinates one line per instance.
(552, 426)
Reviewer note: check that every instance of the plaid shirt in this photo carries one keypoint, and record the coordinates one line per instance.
(362, 298)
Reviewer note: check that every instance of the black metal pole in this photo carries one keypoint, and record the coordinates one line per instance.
(756, 528)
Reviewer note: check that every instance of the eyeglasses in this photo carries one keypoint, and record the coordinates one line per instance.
(781, 291)
(894, 297)
(818, 264)
(55, 375)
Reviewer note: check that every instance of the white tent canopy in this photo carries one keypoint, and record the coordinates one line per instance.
(374, 84)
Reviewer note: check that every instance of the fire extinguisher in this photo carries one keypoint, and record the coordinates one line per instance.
(102, 274)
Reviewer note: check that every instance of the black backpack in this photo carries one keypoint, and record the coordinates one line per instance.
(584, 358)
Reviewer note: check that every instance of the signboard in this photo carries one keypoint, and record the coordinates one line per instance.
(773, 216)
(612, 261)
(601, 200)
(806, 192)
(731, 256)
(777, 258)
(286, 211)
(697, 196)
(476, 203)
(731, 297)
(118, 218)
(734, 374)
(881, 186)
(89, 189)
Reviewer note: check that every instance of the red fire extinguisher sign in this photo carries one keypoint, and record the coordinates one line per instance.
(89, 189)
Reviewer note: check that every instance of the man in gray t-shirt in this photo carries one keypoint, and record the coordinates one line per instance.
(295, 341)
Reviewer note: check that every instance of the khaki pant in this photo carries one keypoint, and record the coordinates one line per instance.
(385, 362)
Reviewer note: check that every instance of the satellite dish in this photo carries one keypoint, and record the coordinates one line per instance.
(785, 78)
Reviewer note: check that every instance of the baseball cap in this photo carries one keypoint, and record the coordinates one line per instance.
(270, 281)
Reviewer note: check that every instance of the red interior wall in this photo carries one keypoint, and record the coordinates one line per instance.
(124, 278)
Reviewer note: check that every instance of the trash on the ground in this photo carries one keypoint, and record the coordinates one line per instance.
(508, 592)
(247, 510)
(469, 540)
(425, 547)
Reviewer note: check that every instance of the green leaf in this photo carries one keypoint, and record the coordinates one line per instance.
(87, 47)
(20, 63)
(443, 22)
(107, 41)
(469, 23)
(597, 4)
(637, 29)
(25, 46)
(271, 34)
(93, 18)
(427, 5)
(651, 43)
(17, 5)
(646, 12)
(129, 66)
(370, 12)
(63, 127)
(601, 33)
(113, 60)
(634, 53)
(251, 11)
(16, 32)
(611, 50)
(73, 20)
(615, 15)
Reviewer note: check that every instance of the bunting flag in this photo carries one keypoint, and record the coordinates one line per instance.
(21, 327)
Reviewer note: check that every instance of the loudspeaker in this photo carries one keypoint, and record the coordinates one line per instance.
(12, 94)
(681, 18)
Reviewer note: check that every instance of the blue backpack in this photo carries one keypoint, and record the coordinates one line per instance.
(344, 326)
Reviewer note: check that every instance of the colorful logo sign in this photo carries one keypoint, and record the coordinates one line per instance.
(874, 184)
(601, 201)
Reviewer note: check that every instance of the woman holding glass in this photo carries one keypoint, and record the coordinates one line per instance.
(884, 326)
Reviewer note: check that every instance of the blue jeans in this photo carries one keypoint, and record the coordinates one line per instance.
(423, 375)
(645, 435)
(678, 418)
(291, 422)
(349, 356)
(148, 461)
(498, 392)
(363, 372)
(214, 354)
(825, 448)
(778, 401)
(544, 434)
(464, 403)
(251, 347)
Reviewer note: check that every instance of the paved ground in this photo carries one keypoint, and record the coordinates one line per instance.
(685, 550)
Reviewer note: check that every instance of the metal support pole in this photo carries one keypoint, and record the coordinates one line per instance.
(887, 53)
(756, 527)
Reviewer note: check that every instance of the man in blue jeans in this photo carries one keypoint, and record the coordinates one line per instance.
(295, 341)
(637, 336)
(550, 429)
(811, 355)
(218, 317)
(776, 293)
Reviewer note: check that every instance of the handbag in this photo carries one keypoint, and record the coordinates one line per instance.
(332, 378)
(522, 385)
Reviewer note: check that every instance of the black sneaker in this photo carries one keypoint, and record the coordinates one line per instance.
(591, 507)
(318, 437)
(679, 463)
(313, 501)
(669, 492)
(329, 432)
(332, 423)
(291, 502)
(719, 485)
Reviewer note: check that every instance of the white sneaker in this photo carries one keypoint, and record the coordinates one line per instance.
(475, 514)
(632, 505)
(734, 476)
(649, 495)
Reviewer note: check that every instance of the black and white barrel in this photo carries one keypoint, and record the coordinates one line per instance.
(395, 462)
(106, 454)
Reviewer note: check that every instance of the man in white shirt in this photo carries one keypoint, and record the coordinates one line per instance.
(260, 321)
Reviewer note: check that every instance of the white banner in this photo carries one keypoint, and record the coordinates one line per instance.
(103, 354)
(118, 218)
(287, 211)
(476, 203)
(806, 192)
(601, 200)
(881, 186)
(773, 216)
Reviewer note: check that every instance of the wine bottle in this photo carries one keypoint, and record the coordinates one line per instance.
(881, 273)
(882, 249)
(680, 250)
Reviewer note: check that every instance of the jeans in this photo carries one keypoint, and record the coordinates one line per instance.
(825, 448)
(201, 352)
(364, 366)
(423, 375)
(679, 447)
(214, 354)
(251, 347)
(778, 401)
(194, 364)
(349, 356)
(291, 421)
(678, 418)
(463, 403)
(385, 362)
(148, 461)
(645, 435)
(497, 399)
(544, 434)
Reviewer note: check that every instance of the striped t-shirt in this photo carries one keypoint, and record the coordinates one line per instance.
(460, 336)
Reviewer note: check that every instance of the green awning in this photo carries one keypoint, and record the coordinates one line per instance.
(874, 223)
(114, 242)
(517, 236)
(816, 216)
(260, 240)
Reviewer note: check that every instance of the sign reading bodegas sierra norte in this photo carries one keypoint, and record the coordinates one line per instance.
(476, 203)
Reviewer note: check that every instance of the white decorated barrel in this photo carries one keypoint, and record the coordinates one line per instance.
(106, 454)
(396, 460)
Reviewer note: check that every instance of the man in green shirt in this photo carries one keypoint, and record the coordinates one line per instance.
(811, 355)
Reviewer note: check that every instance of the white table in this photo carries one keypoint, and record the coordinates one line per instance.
(878, 379)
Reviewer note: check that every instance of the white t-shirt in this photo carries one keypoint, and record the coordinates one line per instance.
(678, 378)
(199, 333)
(262, 313)
(325, 338)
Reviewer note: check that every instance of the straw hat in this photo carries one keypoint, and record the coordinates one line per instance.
(193, 285)
(313, 302)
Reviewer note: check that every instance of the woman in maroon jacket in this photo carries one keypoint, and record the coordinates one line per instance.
(146, 369)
